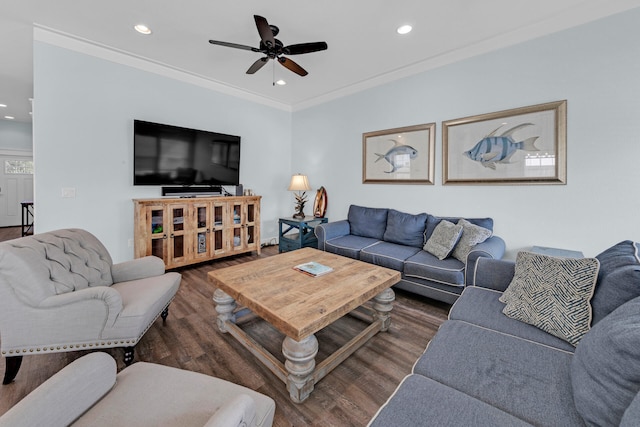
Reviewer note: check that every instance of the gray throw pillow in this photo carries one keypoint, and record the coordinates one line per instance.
(443, 239)
(552, 294)
(605, 370)
(367, 222)
(471, 236)
(618, 279)
(405, 229)
(433, 221)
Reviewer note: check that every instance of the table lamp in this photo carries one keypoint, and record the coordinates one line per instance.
(299, 183)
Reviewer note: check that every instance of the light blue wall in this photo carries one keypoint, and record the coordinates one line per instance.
(83, 139)
(84, 108)
(15, 136)
(596, 67)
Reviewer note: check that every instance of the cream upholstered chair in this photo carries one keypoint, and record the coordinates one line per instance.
(87, 392)
(60, 291)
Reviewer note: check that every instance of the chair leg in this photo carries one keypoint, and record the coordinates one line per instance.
(164, 315)
(128, 355)
(12, 368)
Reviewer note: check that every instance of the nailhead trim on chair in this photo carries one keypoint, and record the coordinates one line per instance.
(64, 347)
(100, 344)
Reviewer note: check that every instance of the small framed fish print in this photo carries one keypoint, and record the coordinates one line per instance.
(526, 145)
(399, 156)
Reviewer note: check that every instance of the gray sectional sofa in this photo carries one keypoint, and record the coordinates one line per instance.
(484, 368)
(397, 240)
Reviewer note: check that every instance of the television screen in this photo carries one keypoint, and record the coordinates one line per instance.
(171, 155)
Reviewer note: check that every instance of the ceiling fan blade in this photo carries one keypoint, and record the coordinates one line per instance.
(265, 31)
(297, 49)
(257, 65)
(287, 63)
(234, 45)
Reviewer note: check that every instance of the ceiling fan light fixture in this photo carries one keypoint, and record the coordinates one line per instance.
(281, 82)
(142, 29)
(404, 29)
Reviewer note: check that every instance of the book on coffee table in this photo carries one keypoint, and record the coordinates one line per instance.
(313, 268)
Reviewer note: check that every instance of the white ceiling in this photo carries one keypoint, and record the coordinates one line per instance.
(364, 49)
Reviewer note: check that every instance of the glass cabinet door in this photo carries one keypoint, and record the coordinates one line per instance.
(177, 235)
(202, 235)
(220, 216)
(238, 224)
(245, 215)
(251, 226)
(158, 247)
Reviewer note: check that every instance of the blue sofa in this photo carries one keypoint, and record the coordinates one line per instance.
(484, 368)
(394, 239)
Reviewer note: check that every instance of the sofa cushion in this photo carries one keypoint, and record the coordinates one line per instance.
(433, 221)
(349, 245)
(148, 394)
(618, 279)
(405, 229)
(367, 222)
(471, 235)
(605, 372)
(632, 414)
(387, 254)
(482, 307)
(444, 239)
(424, 265)
(420, 401)
(67, 395)
(553, 294)
(527, 380)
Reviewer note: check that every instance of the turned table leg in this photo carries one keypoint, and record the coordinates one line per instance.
(383, 305)
(300, 365)
(225, 305)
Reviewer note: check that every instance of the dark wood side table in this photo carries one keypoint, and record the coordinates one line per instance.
(300, 233)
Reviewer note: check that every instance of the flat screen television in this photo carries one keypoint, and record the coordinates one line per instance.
(172, 155)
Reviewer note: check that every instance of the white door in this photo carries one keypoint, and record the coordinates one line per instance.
(16, 185)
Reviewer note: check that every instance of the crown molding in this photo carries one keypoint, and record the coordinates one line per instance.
(88, 47)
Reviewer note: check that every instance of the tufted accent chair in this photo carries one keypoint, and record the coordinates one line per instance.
(60, 291)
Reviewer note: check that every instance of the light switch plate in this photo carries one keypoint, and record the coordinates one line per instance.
(69, 192)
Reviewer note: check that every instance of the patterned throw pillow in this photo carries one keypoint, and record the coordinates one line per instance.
(552, 294)
(443, 239)
(471, 235)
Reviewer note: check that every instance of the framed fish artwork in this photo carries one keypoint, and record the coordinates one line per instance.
(526, 145)
(399, 156)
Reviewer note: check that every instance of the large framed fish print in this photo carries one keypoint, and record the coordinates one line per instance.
(526, 145)
(399, 156)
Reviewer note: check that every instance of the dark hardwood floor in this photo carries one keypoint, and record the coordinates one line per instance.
(348, 396)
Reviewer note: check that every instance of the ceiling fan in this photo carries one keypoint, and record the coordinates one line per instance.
(273, 48)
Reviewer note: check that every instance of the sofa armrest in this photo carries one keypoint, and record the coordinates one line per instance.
(139, 268)
(493, 273)
(236, 412)
(331, 230)
(493, 248)
(65, 396)
(111, 298)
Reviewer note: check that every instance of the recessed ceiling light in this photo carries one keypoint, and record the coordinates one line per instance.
(3, 105)
(281, 82)
(9, 117)
(142, 29)
(404, 29)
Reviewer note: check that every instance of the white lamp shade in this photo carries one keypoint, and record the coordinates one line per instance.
(299, 183)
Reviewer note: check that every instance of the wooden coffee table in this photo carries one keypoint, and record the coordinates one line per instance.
(298, 306)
